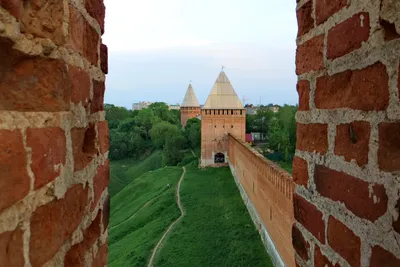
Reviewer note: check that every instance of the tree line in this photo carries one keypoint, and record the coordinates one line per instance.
(280, 131)
(135, 134)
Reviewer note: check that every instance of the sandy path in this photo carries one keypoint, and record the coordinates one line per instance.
(178, 201)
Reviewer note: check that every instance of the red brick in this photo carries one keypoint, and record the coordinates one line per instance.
(12, 248)
(348, 35)
(383, 258)
(304, 18)
(53, 223)
(76, 30)
(310, 217)
(320, 260)
(80, 86)
(353, 192)
(300, 245)
(82, 37)
(104, 58)
(326, 8)
(92, 233)
(97, 10)
(44, 18)
(98, 96)
(101, 258)
(345, 89)
(312, 137)
(91, 44)
(100, 182)
(76, 256)
(48, 149)
(310, 55)
(103, 136)
(303, 89)
(38, 85)
(12, 6)
(352, 141)
(14, 181)
(389, 146)
(344, 241)
(83, 146)
(300, 171)
(106, 213)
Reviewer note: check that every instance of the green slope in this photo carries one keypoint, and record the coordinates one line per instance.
(217, 229)
(125, 171)
(131, 239)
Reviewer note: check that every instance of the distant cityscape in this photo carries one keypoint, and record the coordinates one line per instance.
(250, 108)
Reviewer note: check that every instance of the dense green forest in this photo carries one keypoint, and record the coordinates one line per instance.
(136, 134)
(280, 130)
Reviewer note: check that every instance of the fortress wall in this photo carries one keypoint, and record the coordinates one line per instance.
(347, 165)
(54, 169)
(268, 191)
(188, 113)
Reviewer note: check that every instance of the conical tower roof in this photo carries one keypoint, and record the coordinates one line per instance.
(190, 99)
(222, 95)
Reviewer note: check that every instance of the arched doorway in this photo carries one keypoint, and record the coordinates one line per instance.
(219, 158)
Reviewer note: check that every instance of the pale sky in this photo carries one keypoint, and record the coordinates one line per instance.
(157, 46)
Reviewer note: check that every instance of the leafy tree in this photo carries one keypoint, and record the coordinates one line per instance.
(161, 132)
(171, 153)
(193, 132)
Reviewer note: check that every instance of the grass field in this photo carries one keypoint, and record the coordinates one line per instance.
(125, 171)
(134, 230)
(217, 229)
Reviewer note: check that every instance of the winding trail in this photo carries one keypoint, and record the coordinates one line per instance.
(133, 215)
(178, 201)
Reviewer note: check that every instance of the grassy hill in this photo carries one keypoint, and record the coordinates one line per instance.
(140, 213)
(125, 171)
(217, 229)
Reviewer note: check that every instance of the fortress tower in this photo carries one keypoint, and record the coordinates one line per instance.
(190, 107)
(222, 113)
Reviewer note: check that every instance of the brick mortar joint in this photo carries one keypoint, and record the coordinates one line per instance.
(356, 7)
(54, 190)
(34, 46)
(66, 120)
(370, 233)
(330, 253)
(82, 10)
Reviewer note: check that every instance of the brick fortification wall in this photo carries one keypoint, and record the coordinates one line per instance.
(347, 161)
(267, 191)
(54, 171)
(188, 113)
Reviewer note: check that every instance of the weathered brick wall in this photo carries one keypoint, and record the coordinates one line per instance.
(188, 113)
(54, 171)
(270, 190)
(347, 161)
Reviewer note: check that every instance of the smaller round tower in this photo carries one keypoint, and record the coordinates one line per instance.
(190, 107)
